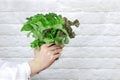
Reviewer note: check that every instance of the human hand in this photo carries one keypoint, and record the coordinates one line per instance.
(44, 58)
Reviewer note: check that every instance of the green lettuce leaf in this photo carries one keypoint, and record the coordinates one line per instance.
(49, 28)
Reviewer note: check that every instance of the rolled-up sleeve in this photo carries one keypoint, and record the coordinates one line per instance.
(14, 71)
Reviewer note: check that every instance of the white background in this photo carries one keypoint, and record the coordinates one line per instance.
(93, 55)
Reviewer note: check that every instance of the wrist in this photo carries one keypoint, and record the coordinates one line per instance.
(35, 66)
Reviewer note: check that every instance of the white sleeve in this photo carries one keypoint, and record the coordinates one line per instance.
(13, 71)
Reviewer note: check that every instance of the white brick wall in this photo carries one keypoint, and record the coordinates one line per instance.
(93, 55)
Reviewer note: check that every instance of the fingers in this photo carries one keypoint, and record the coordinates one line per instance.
(54, 47)
(48, 45)
(54, 52)
(57, 51)
(51, 46)
(57, 56)
(50, 49)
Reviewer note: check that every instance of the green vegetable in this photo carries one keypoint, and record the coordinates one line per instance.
(49, 28)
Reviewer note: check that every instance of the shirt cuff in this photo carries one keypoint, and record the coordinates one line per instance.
(27, 69)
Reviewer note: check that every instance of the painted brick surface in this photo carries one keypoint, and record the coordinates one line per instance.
(93, 55)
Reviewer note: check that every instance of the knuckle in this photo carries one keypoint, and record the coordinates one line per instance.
(43, 46)
(46, 50)
(52, 56)
(57, 50)
(49, 53)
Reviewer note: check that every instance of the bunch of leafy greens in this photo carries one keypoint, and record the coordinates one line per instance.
(49, 28)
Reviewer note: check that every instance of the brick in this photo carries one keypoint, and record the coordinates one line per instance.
(78, 63)
(64, 6)
(59, 74)
(83, 17)
(84, 29)
(98, 29)
(68, 52)
(113, 18)
(16, 52)
(87, 63)
(90, 41)
(91, 52)
(11, 29)
(98, 41)
(12, 5)
(13, 41)
(99, 74)
(91, 5)
(84, 74)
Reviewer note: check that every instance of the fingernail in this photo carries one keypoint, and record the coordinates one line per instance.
(52, 44)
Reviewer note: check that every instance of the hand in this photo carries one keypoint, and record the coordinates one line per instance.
(44, 58)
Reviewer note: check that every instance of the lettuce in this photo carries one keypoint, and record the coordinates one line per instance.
(49, 28)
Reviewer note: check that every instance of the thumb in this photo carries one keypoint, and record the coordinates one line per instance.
(35, 52)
